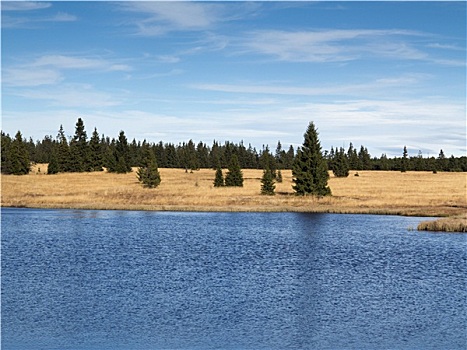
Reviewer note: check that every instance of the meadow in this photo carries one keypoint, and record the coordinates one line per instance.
(374, 192)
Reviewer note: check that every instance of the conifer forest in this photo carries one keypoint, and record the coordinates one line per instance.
(84, 153)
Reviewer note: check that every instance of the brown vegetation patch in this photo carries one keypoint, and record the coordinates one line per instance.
(376, 192)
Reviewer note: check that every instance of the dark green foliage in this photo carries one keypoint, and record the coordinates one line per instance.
(310, 171)
(79, 150)
(234, 175)
(53, 167)
(15, 155)
(404, 160)
(78, 154)
(119, 161)
(63, 152)
(219, 178)
(268, 161)
(267, 183)
(340, 164)
(148, 174)
(96, 156)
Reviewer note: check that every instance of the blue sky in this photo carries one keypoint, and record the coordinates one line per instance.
(381, 74)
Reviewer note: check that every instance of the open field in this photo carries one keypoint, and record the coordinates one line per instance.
(376, 192)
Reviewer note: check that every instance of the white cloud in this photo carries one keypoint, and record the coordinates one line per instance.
(318, 46)
(30, 76)
(24, 5)
(160, 18)
(48, 69)
(70, 62)
(356, 89)
(72, 95)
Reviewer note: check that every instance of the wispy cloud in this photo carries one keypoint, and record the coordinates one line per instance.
(28, 22)
(356, 89)
(159, 18)
(30, 76)
(24, 5)
(48, 69)
(71, 62)
(319, 46)
(72, 95)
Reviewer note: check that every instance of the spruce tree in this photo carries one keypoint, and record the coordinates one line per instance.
(96, 161)
(219, 178)
(149, 174)
(404, 161)
(267, 183)
(19, 163)
(121, 156)
(63, 152)
(340, 164)
(5, 153)
(79, 149)
(310, 172)
(53, 167)
(234, 176)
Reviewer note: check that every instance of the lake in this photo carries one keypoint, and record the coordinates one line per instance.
(76, 279)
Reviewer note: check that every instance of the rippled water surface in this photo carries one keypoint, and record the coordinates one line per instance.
(147, 280)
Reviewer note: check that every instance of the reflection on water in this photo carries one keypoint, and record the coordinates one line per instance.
(150, 280)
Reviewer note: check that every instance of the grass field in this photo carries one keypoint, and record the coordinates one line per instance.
(376, 192)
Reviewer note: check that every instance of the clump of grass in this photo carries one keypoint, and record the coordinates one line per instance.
(452, 224)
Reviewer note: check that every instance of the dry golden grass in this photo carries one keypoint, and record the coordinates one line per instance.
(452, 224)
(411, 193)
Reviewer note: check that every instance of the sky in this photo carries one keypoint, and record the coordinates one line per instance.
(380, 74)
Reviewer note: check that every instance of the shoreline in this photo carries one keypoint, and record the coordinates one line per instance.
(372, 192)
(451, 224)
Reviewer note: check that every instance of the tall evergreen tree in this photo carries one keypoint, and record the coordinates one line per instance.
(340, 164)
(5, 153)
(53, 167)
(149, 174)
(404, 160)
(234, 175)
(219, 178)
(310, 172)
(79, 149)
(121, 156)
(63, 151)
(19, 163)
(96, 157)
(267, 183)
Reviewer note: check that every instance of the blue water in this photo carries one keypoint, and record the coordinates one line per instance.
(161, 280)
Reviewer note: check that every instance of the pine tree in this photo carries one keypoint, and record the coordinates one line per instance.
(310, 172)
(53, 167)
(149, 174)
(234, 176)
(340, 164)
(96, 161)
(63, 151)
(5, 153)
(267, 183)
(219, 178)
(19, 162)
(404, 161)
(79, 150)
(120, 161)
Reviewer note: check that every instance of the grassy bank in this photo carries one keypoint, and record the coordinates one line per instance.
(376, 192)
(451, 224)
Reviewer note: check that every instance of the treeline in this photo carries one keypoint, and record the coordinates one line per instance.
(81, 153)
(340, 158)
